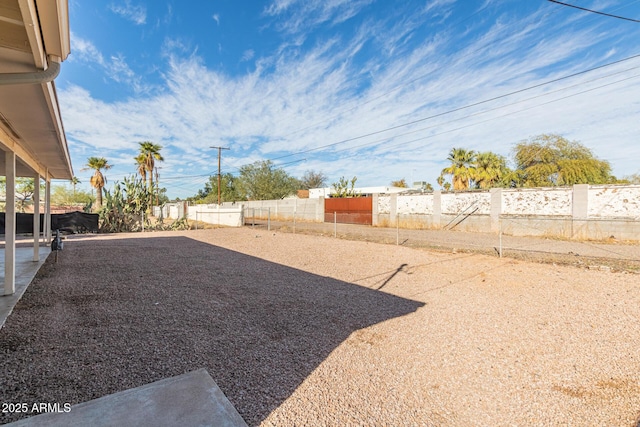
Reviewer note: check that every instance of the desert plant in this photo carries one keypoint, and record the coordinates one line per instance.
(345, 188)
(124, 206)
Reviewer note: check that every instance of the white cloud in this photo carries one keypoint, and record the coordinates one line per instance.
(279, 6)
(172, 46)
(438, 5)
(216, 17)
(119, 71)
(134, 13)
(115, 68)
(248, 55)
(301, 16)
(85, 50)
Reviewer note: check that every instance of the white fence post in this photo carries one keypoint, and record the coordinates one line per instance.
(500, 243)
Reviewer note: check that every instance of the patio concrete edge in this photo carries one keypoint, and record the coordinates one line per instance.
(191, 399)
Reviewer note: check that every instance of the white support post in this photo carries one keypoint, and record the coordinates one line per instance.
(45, 224)
(10, 225)
(47, 210)
(36, 217)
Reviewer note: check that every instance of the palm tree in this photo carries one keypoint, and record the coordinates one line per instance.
(489, 169)
(75, 181)
(98, 180)
(149, 153)
(461, 168)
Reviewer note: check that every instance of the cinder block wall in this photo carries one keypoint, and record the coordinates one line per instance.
(581, 211)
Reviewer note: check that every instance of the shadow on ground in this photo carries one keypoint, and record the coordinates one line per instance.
(116, 314)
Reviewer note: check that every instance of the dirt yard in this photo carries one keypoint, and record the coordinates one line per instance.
(311, 330)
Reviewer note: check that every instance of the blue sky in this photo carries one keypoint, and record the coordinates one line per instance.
(377, 89)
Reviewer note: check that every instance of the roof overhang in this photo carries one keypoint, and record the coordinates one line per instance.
(33, 34)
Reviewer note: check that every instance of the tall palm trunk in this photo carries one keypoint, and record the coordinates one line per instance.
(99, 197)
(149, 153)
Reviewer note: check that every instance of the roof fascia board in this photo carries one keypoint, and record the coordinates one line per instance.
(34, 34)
(54, 25)
(52, 101)
(65, 31)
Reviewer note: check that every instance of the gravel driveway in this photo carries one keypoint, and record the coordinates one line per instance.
(309, 330)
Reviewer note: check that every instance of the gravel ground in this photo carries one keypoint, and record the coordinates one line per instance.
(310, 330)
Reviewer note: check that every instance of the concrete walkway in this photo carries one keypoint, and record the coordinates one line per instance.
(192, 399)
(26, 269)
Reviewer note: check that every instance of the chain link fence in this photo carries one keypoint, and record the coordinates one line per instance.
(518, 238)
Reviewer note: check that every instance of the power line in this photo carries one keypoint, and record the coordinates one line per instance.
(494, 109)
(190, 176)
(444, 132)
(231, 167)
(507, 114)
(382, 140)
(474, 114)
(452, 111)
(426, 118)
(594, 11)
(398, 87)
(388, 139)
(390, 91)
(475, 104)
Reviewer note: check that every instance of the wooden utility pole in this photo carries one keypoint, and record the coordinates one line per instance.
(157, 186)
(219, 176)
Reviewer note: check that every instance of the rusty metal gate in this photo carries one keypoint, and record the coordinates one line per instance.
(351, 210)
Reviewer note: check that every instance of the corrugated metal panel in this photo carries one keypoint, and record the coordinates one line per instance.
(355, 210)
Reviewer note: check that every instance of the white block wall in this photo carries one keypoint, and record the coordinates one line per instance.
(616, 202)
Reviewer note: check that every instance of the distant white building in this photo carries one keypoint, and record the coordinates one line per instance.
(318, 193)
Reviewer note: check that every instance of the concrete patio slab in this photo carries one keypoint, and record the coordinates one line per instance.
(26, 269)
(191, 399)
